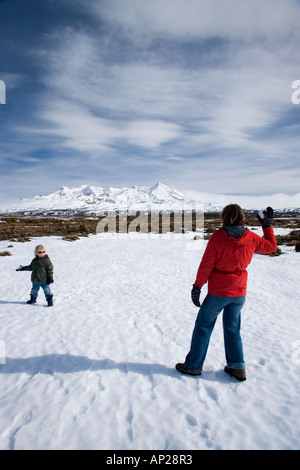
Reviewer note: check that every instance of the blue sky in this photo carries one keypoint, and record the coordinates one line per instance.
(193, 93)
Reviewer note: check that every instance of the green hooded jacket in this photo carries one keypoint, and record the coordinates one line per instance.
(42, 269)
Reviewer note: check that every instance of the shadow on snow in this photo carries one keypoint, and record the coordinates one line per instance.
(68, 364)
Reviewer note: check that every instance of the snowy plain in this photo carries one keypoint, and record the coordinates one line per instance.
(97, 370)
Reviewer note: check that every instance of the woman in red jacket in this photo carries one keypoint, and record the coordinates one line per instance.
(223, 265)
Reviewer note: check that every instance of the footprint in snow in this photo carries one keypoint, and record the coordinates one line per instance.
(191, 420)
(7, 438)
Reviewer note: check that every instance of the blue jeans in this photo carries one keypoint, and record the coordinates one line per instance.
(204, 326)
(36, 287)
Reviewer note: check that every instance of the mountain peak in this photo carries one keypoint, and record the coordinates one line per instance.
(89, 198)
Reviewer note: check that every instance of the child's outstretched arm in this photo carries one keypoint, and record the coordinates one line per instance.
(25, 268)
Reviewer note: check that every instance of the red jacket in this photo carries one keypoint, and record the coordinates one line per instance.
(226, 258)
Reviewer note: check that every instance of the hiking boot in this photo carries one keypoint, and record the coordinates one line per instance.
(49, 300)
(239, 374)
(181, 368)
(32, 300)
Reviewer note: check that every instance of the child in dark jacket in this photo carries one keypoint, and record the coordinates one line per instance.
(42, 275)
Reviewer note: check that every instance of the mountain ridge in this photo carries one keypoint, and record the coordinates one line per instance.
(92, 200)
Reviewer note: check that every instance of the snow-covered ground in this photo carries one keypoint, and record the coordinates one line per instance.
(96, 371)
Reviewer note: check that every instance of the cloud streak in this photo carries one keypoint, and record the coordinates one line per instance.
(197, 92)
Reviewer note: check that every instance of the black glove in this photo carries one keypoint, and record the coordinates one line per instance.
(20, 268)
(50, 280)
(195, 295)
(265, 216)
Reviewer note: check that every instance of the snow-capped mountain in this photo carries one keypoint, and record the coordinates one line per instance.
(93, 199)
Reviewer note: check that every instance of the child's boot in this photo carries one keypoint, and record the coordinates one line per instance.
(32, 300)
(50, 300)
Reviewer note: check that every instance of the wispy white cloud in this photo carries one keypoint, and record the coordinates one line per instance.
(199, 90)
(228, 101)
(77, 128)
(191, 18)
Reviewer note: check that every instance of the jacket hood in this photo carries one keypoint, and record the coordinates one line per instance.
(235, 231)
(238, 234)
